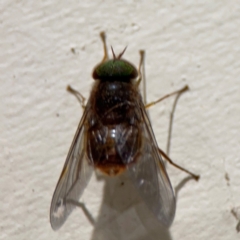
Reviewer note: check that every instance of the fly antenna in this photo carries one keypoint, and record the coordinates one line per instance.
(120, 55)
(113, 53)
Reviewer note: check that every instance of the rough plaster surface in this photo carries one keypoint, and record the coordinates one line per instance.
(186, 43)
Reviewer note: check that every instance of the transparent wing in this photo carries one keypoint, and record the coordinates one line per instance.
(150, 177)
(73, 180)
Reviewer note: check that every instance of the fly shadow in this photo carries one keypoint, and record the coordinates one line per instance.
(123, 214)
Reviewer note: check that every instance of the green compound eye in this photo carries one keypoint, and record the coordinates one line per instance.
(115, 69)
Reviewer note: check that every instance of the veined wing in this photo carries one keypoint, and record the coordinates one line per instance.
(150, 177)
(74, 178)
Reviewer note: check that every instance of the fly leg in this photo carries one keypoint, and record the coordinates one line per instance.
(141, 73)
(78, 95)
(196, 177)
(103, 38)
(178, 93)
(142, 78)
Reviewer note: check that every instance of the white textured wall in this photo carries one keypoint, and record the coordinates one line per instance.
(186, 43)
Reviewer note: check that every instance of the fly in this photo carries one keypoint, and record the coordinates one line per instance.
(115, 135)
